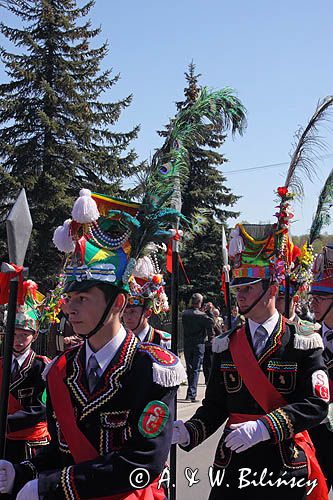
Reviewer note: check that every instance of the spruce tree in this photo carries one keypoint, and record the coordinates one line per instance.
(205, 190)
(56, 130)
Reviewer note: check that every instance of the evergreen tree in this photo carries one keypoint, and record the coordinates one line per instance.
(205, 190)
(55, 135)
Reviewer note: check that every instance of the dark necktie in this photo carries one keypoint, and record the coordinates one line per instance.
(329, 335)
(259, 340)
(15, 369)
(92, 371)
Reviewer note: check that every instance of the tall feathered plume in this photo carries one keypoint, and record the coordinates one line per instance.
(220, 110)
(322, 216)
(308, 145)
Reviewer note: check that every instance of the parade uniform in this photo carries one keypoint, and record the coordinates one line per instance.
(110, 411)
(127, 422)
(322, 436)
(152, 335)
(26, 424)
(292, 365)
(268, 384)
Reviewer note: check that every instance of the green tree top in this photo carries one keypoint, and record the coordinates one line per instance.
(56, 130)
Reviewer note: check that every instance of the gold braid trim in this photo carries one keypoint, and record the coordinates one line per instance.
(288, 422)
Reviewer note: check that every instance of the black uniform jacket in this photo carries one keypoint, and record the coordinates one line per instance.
(140, 377)
(291, 358)
(27, 388)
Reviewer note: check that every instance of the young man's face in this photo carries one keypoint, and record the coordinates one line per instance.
(23, 339)
(135, 318)
(85, 309)
(319, 305)
(246, 296)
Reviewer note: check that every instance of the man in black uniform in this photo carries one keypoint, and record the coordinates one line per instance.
(322, 306)
(268, 383)
(110, 400)
(147, 296)
(26, 423)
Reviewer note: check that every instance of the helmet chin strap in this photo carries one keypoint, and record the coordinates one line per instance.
(100, 324)
(246, 311)
(140, 319)
(326, 312)
(24, 350)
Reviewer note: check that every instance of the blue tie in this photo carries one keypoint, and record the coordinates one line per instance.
(92, 371)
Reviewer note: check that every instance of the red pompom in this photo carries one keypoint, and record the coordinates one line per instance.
(282, 191)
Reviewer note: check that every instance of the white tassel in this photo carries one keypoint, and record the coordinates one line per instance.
(62, 238)
(308, 342)
(236, 245)
(85, 209)
(221, 343)
(169, 376)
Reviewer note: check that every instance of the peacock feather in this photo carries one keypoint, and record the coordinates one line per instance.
(220, 110)
(307, 146)
(322, 216)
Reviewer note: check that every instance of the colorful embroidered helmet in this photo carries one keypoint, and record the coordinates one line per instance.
(263, 252)
(28, 314)
(106, 236)
(323, 272)
(147, 286)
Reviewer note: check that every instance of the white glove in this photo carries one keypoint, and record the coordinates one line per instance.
(7, 476)
(29, 491)
(180, 433)
(246, 435)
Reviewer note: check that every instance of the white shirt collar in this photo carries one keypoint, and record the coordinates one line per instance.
(141, 335)
(21, 357)
(269, 324)
(107, 352)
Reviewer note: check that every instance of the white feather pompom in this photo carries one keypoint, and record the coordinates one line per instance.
(236, 245)
(144, 268)
(85, 209)
(62, 238)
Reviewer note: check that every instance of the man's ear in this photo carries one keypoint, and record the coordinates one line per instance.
(296, 299)
(148, 313)
(273, 290)
(119, 303)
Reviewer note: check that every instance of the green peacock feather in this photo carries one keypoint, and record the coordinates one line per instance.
(322, 216)
(220, 110)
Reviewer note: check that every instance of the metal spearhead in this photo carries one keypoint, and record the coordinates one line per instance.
(19, 227)
(225, 256)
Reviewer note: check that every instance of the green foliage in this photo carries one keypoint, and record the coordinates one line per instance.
(318, 244)
(55, 135)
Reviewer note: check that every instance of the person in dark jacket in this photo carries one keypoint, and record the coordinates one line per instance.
(26, 423)
(197, 327)
(268, 385)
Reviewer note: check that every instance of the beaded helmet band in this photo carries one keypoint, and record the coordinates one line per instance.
(323, 272)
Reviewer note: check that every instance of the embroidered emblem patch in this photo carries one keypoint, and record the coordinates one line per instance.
(320, 385)
(159, 355)
(153, 419)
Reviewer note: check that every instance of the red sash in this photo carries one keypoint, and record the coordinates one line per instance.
(35, 433)
(270, 399)
(81, 448)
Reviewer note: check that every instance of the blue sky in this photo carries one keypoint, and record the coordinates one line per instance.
(276, 55)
